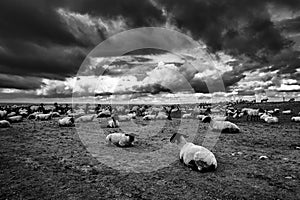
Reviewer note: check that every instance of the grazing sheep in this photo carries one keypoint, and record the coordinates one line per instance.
(120, 139)
(149, 117)
(113, 123)
(295, 119)
(223, 126)
(4, 124)
(15, 119)
(86, 118)
(66, 121)
(194, 156)
(187, 116)
(287, 112)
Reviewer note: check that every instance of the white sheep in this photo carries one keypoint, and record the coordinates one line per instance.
(3, 113)
(43, 117)
(286, 112)
(295, 119)
(113, 123)
(220, 118)
(4, 124)
(120, 139)
(124, 117)
(187, 116)
(15, 119)
(223, 126)
(200, 117)
(194, 156)
(86, 118)
(271, 119)
(149, 117)
(11, 114)
(161, 115)
(66, 121)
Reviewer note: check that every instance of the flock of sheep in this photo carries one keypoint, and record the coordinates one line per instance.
(194, 156)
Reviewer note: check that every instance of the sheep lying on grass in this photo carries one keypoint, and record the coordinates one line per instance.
(149, 117)
(194, 156)
(4, 124)
(15, 119)
(86, 118)
(121, 139)
(295, 119)
(187, 116)
(223, 126)
(66, 121)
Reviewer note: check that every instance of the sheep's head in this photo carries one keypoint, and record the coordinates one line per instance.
(207, 119)
(176, 137)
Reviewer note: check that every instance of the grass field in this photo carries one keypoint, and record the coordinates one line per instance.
(39, 160)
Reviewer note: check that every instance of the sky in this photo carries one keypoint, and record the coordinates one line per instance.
(51, 50)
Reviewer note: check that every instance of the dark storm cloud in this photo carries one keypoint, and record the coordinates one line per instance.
(238, 26)
(35, 21)
(20, 82)
(136, 12)
(290, 25)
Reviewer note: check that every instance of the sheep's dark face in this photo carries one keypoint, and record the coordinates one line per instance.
(207, 119)
(174, 137)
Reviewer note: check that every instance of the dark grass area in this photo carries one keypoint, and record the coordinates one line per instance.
(48, 162)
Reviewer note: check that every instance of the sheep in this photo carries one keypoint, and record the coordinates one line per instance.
(113, 123)
(132, 115)
(66, 121)
(149, 117)
(194, 156)
(286, 112)
(124, 118)
(220, 118)
(161, 115)
(33, 115)
(15, 119)
(200, 117)
(4, 124)
(3, 114)
(295, 119)
(187, 116)
(104, 114)
(43, 117)
(11, 114)
(271, 120)
(120, 139)
(253, 113)
(223, 126)
(55, 114)
(86, 118)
